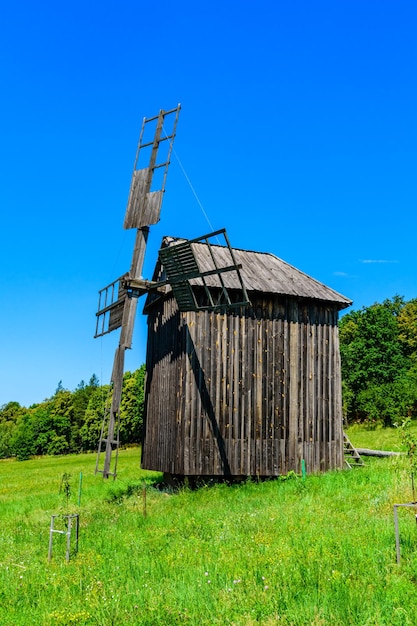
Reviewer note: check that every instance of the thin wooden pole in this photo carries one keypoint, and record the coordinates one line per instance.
(67, 555)
(51, 533)
(80, 488)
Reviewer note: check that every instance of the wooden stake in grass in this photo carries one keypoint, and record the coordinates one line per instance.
(80, 486)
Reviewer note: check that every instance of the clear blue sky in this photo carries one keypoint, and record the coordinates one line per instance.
(298, 132)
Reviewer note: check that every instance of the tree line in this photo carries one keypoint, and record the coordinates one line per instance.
(70, 421)
(378, 346)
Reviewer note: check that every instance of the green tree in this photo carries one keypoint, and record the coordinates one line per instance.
(131, 411)
(132, 406)
(41, 424)
(93, 418)
(407, 329)
(58, 445)
(70, 421)
(374, 365)
(22, 444)
(10, 414)
(80, 399)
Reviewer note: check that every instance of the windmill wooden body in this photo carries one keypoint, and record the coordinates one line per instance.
(243, 363)
(244, 391)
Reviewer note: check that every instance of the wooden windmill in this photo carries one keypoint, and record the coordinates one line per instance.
(118, 300)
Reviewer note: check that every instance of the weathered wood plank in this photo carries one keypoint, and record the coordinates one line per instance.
(293, 365)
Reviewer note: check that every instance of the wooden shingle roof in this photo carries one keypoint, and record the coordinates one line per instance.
(261, 272)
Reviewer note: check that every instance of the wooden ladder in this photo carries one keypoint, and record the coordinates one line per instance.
(352, 456)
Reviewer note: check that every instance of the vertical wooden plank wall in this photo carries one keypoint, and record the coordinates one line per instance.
(244, 395)
(164, 401)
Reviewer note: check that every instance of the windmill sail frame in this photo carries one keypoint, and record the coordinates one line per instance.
(118, 300)
(143, 209)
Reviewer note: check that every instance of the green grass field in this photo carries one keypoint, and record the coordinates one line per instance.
(319, 551)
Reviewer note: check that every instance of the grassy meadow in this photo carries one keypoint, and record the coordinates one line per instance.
(319, 551)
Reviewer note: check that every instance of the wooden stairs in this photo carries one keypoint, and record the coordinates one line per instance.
(352, 456)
